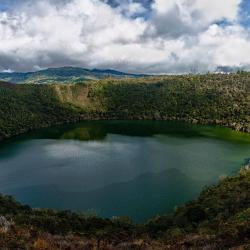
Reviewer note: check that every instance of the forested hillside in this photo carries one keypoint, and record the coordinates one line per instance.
(207, 99)
(26, 107)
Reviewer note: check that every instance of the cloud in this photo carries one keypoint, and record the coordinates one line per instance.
(170, 36)
(178, 17)
(44, 34)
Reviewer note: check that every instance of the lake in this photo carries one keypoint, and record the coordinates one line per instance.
(116, 168)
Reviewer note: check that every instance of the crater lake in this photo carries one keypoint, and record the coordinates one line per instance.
(119, 168)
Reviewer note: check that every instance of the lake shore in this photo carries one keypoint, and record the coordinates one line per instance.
(190, 225)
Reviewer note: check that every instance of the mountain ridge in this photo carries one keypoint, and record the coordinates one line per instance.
(63, 75)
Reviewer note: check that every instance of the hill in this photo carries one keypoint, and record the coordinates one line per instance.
(205, 99)
(62, 75)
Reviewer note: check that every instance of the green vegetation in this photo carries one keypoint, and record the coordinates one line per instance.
(218, 219)
(213, 99)
(204, 99)
(27, 107)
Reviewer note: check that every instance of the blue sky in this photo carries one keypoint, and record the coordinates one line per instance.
(154, 36)
(7, 4)
(145, 3)
(245, 13)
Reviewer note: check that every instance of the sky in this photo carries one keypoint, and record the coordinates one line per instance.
(146, 36)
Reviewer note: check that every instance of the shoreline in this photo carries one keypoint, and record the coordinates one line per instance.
(90, 117)
(202, 222)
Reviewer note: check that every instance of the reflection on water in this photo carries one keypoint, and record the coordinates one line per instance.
(141, 197)
(118, 168)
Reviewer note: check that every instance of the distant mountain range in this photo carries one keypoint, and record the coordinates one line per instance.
(63, 75)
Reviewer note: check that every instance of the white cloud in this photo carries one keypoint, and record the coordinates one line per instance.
(229, 46)
(42, 34)
(178, 35)
(178, 17)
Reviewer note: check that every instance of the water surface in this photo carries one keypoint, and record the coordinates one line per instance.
(116, 168)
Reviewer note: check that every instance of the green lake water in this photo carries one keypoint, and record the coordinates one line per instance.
(116, 168)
